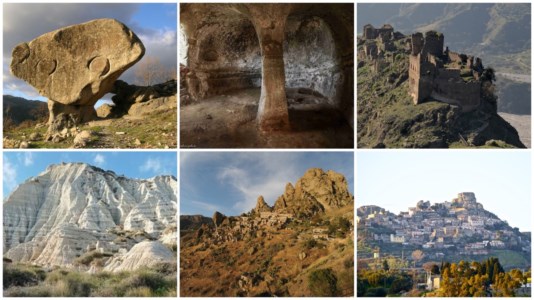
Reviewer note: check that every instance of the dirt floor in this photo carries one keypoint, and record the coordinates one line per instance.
(229, 121)
(522, 124)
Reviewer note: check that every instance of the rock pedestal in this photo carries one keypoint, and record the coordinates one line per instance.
(76, 65)
(269, 21)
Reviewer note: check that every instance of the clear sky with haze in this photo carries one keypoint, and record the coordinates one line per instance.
(396, 180)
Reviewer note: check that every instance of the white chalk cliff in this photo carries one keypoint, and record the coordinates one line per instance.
(73, 208)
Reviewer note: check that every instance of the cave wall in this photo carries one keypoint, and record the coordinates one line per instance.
(310, 57)
(224, 56)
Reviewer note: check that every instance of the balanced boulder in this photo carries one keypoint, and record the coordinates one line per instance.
(77, 65)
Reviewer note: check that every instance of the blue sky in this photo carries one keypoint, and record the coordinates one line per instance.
(19, 166)
(501, 180)
(154, 23)
(230, 182)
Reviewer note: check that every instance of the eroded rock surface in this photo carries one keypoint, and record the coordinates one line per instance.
(76, 65)
(72, 209)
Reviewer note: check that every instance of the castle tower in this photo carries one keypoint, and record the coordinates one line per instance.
(369, 32)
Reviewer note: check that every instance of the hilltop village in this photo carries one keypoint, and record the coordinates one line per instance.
(434, 73)
(461, 225)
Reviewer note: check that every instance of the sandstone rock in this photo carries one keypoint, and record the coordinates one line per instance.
(104, 111)
(76, 65)
(144, 254)
(302, 255)
(82, 139)
(137, 142)
(24, 145)
(262, 206)
(316, 192)
(35, 136)
(140, 100)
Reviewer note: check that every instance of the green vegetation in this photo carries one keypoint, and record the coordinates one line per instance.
(387, 117)
(463, 279)
(31, 281)
(323, 283)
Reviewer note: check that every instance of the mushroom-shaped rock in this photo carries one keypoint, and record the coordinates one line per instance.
(78, 64)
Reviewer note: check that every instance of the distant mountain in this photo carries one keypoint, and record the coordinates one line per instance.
(455, 229)
(478, 28)
(73, 210)
(193, 222)
(18, 110)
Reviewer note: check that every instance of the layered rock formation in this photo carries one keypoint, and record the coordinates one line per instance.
(144, 254)
(316, 192)
(72, 209)
(76, 65)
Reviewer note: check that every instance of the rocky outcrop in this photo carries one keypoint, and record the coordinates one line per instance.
(316, 192)
(262, 206)
(218, 218)
(76, 65)
(73, 208)
(140, 100)
(144, 254)
(194, 222)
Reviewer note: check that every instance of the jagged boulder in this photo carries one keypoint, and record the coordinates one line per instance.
(316, 192)
(262, 206)
(218, 218)
(140, 100)
(76, 65)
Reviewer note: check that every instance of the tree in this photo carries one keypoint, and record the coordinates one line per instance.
(150, 71)
(385, 265)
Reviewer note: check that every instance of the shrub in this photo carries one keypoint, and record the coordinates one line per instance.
(348, 263)
(30, 291)
(310, 243)
(18, 275)
(322, 283)
(376, 292)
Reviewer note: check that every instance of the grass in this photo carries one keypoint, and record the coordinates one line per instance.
(31, 281)
(155, 130)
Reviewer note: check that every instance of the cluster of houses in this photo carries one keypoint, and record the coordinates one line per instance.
(461, 224)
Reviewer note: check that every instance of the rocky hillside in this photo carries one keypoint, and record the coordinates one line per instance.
(140, 117)
(79, 216)
(387, 117)
(18, 110)
(499, 27)
(301, 246)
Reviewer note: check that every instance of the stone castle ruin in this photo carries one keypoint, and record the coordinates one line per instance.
(434, 73)
(445, 76)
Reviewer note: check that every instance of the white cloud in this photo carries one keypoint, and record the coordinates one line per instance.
(26, 21)
(99, 160)
(153, 165)
(10, 174)
(26, 158)
(268, 177)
